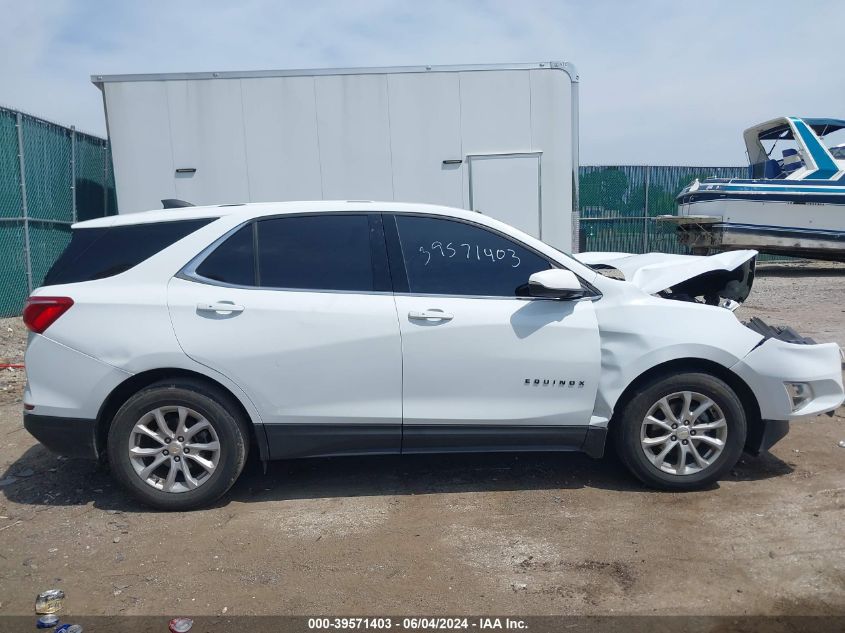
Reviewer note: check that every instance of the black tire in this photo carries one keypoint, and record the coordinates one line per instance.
(201, 398)
(629, 423)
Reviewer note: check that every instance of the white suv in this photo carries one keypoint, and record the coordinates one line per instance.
(172, 342)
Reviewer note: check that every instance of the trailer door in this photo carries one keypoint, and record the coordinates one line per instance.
(507, 187)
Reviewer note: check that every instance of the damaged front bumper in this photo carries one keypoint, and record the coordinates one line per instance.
(793, 379)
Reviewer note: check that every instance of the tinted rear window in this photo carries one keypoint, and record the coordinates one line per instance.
(104, 252)
(316, 252)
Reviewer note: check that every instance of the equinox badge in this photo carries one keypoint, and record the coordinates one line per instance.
(548, 382)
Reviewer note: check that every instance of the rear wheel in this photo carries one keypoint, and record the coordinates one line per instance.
(177, 445)
(682, 432)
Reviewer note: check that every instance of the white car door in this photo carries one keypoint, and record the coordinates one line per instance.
(306, 327)
(484, 365)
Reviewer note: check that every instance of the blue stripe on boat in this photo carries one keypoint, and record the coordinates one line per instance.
(826, 167)
(835, 197)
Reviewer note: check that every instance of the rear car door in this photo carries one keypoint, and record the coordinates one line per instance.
(484, 365)
(297, 310)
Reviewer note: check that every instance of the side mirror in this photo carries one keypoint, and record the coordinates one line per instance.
(555, 284)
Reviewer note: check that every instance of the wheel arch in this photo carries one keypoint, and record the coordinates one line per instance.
(685, 365)
(132, 385)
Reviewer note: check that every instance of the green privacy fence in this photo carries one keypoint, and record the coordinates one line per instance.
(618, 205)
(50, 177)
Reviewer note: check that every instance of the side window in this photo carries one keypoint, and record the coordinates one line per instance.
(448, 257)
(317, 252)
(233, 261)
(105, 252)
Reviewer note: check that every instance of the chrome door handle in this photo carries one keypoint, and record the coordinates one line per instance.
(220, 306)
(426, 315)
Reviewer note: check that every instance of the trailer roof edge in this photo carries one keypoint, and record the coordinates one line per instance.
(566, 67)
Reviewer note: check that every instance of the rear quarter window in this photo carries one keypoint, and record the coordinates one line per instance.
(98, 253)
(233, 262)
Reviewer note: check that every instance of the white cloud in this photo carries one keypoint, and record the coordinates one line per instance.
(662, 82)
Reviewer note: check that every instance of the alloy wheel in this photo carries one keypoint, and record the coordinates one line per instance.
(684, 433)
(174, 449)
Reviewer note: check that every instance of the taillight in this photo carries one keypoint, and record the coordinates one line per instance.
(39, 313)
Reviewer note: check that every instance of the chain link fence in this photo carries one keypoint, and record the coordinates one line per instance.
(618, 205)
(50, 177)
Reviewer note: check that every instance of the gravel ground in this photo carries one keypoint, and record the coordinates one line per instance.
(527, 534)
(12, 347)
(811, 298)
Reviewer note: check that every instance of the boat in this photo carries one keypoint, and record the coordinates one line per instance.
(791, 203)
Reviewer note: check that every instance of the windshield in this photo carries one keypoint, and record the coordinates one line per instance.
(835, 142)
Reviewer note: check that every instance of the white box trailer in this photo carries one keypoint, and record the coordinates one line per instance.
(501, 139)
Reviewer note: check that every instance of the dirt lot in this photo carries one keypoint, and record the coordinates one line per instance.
(527, 534)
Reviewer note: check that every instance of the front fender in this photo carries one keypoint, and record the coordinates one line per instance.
(640, 332)
(623, 360)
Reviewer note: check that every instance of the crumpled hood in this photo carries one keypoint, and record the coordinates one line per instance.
(726, 275)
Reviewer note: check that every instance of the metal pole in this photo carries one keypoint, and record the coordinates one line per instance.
(105, 148)
(576, 171)
(645, 214)
(26, 248)
(73, 170)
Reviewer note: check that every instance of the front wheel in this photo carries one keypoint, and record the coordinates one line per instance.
(682, 432)
(177, 445)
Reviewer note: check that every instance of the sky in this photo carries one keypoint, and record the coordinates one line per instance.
(662, 82)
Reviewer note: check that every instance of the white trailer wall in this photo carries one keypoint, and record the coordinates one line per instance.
(375, 134)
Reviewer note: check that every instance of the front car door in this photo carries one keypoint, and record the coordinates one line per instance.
(486, 367)
(297, 310)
